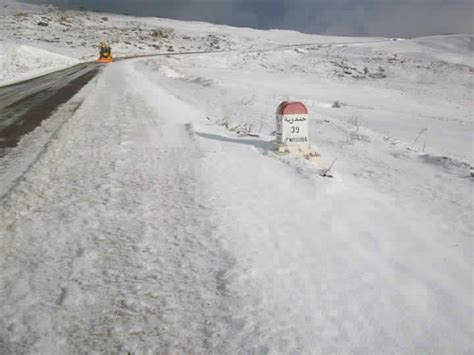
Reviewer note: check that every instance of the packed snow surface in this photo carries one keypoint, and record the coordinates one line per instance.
(156, 218)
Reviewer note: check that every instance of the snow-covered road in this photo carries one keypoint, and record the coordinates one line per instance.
(143, 228)
(113, 229)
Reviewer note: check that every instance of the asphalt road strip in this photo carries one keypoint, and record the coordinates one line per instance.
(24, 105)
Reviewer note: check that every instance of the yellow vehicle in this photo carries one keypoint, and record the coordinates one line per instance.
(105, 55)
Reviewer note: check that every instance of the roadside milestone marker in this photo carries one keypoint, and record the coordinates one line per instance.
(292, 133)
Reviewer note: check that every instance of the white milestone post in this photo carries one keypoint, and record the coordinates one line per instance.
(292, 133)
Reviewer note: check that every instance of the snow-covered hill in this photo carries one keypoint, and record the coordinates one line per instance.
(157, 218)
(77, 33)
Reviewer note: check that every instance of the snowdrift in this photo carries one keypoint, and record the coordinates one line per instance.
(19, 62)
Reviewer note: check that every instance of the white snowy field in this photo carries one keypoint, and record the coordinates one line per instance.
(151, 222)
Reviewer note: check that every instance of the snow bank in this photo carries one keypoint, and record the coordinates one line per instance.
(19, 62)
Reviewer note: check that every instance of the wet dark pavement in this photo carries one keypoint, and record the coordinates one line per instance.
(24, 105)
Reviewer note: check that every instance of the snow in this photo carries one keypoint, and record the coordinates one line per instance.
(19, 62)
(76, 34)
(146, 223)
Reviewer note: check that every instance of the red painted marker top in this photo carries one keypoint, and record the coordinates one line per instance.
(292, 108)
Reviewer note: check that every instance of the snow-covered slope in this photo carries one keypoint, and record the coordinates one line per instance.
(76, 34)
(151, 221)
(19, 61)
(391, 90)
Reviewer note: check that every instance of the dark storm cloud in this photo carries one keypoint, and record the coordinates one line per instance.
(404, 18)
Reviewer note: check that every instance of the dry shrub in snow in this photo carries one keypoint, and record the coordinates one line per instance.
(65, 19)
(421, 133)
(21, 14)
(242, 129)
(159, 34)
(354, 133)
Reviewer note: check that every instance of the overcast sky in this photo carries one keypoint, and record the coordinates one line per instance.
(390, 18)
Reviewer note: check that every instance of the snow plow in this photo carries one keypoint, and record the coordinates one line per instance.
(105, 54)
